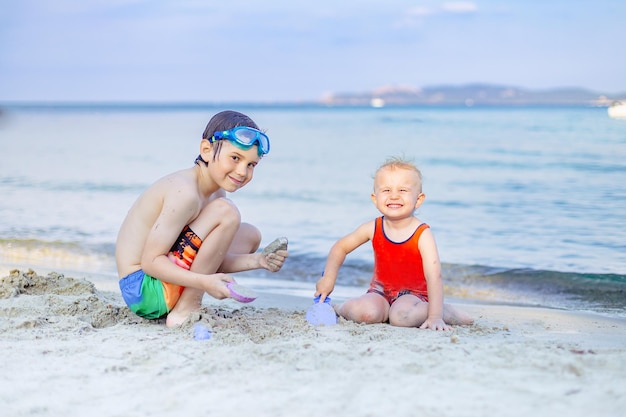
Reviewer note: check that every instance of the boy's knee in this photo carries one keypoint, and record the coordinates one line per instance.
(400, 318)
(225, 210)
(370, 317)
(362, 314)
(408, 314)
(394, 318)
(399, 314)
(252, 233)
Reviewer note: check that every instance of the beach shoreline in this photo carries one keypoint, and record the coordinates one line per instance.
(70, 346)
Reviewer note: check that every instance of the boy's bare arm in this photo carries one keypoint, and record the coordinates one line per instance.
(432, 271)
(337, 256)
(177, 210)
(246, 262)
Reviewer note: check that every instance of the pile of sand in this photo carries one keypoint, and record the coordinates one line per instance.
(69, 348)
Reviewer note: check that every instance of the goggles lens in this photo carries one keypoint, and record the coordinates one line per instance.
(246, 137)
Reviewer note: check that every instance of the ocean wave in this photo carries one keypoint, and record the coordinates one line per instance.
(553, 289)
(556, 289)
(601, 292)
(26, 183)
(65, 256)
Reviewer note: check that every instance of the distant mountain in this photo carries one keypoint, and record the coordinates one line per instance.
(471, 95)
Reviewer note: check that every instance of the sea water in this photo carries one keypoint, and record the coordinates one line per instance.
(527, 205)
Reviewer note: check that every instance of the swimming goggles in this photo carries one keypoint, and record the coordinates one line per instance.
(244, 136)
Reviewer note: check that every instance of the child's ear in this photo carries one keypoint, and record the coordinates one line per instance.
(373, 197)
(420, 199)
(206, 149)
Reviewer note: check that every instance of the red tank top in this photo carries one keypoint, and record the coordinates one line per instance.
(398, 266)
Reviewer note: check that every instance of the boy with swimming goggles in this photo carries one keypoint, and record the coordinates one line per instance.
(406, 287)
(182, 236)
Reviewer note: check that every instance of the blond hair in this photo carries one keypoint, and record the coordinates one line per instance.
(397, 162)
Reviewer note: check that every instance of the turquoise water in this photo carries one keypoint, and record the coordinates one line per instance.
(527, 204)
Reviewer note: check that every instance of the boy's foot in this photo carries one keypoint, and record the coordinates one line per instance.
(456, 316)
(175, 318)
(190, 301)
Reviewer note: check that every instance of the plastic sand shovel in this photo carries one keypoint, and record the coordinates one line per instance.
(241, 293)
(200, 332)
(321, 313)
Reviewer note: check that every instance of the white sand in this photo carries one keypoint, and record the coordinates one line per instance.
(71, 349)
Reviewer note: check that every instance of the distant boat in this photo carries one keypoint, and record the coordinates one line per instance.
(377, 102)
(617, 110)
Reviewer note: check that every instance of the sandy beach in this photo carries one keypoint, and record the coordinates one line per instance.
(70, 347)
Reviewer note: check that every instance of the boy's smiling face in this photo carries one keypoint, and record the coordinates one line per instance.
(234, 166)
(397, 192)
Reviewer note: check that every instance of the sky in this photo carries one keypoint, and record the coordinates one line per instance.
(286, 51)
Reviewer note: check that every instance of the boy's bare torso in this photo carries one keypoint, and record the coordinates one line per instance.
(143, 215)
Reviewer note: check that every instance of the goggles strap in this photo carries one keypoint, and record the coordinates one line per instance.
(200, 159)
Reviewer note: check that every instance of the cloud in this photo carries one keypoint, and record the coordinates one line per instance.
(197, 49)
(421, 11)
(416, 16)
(459, 7)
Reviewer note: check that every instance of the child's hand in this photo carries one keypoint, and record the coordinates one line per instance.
(216, 286)
(325, 285)
(274, 261)
(273, 255)
(435, 324)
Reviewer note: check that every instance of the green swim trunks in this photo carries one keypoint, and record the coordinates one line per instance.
(147, 296)
(151, 298)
